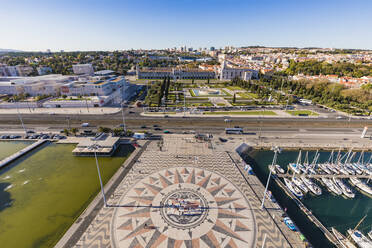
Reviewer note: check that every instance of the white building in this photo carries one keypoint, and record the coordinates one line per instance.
(83, 69)
(174, 73)
(226, 72)
(39, 85)
(94, 87)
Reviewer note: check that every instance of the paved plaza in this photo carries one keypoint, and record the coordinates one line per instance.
(184, 193)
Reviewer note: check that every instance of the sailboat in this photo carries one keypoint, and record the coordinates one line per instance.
(346, 243)
(296, 167)
(345, 189)
(315, 189)
(293, 188)
(358, 237)
(362, 186)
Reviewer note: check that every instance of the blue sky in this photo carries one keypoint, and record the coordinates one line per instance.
(115, 25)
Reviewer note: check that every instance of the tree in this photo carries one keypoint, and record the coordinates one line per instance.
(192, 81)
(118, 131)
(66, 132)
(104, 129)
(208, 81)
(74, 130)
(234, 98)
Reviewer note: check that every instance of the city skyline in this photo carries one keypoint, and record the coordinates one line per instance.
(116, 25)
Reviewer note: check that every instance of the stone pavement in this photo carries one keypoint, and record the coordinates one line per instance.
(182, 193)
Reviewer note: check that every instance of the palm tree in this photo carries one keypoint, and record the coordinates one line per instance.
(66, 132)
(74, 130)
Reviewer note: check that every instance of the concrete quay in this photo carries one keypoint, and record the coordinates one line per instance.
(20, 153)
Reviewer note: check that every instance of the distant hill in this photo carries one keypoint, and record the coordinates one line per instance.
(2, 50)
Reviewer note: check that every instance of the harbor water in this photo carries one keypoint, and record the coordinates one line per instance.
(8, 148)
(331, 210)
(42, 193)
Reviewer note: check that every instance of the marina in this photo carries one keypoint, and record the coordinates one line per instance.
(326, 207)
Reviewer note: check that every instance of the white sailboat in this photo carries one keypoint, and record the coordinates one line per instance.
(293, 188)
(346, 243)
(300, 184)
(331, 186)
(362, 186)
(296, 167)
(345, 189)
(359, 238)
(315, 189)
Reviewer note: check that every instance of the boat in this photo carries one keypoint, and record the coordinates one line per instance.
(272, 169)
(331, 186)
(324, 168)
(361, 185)
(359, 238)
(342, 239)
(315, 189)
(293, 188)
(370, 234)
(279, 169)
(300, 184)
(295, 167)
(345, 189)
(289, 223)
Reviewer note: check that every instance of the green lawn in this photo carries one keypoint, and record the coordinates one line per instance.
(241, 113)
(233, 88)
(247, 95)
(302, 112)
(221, 104)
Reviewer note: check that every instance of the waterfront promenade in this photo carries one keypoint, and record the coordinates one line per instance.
(185, 193)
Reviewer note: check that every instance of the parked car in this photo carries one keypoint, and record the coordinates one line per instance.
(166, 131)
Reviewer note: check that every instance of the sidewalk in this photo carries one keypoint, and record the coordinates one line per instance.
(56, 111)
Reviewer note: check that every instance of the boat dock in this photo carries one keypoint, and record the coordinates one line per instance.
(330, 236)
(20, 153)
(324, 175)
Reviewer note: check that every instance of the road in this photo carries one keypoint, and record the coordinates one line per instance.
(134, 121)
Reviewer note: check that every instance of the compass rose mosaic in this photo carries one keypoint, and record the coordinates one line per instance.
(183, 207)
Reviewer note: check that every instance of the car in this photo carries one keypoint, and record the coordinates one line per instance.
(340, 117)
(166, 116)
(155, 125)
(222, 139)
(143, 126)
(30, 131)
(166, 131)
(131, 112)
(157, 129)
(85, 124)
(227, 120)
(289, 223)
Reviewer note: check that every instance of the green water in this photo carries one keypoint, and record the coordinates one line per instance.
(49, 190)
(331, 210)
(7, 148)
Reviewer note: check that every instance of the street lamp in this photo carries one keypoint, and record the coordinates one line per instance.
(94, 147)
(276, 149)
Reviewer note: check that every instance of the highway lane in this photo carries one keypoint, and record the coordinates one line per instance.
(135, 120)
